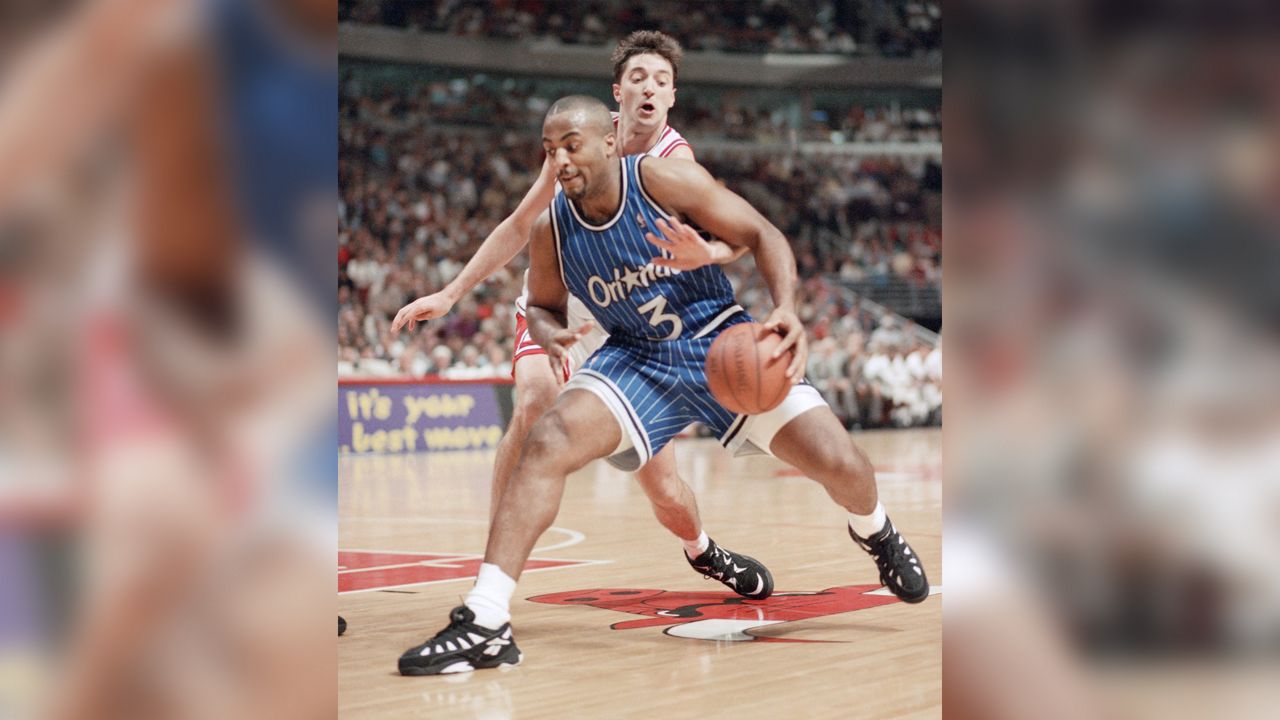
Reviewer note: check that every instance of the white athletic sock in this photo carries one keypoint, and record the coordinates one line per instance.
(490, 599)
(867, 525)
(694, 548)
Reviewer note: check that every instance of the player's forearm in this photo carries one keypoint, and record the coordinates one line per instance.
(503, 244)
(722, 253)
(506, 240)
(726, 253)
(544, 322)
(777, 266)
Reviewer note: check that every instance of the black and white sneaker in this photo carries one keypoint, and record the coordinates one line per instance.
(900, 568)
(744, 575)
(462, 647)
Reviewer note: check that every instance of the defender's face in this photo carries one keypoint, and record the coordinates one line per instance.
(578, 150)
(646, 90)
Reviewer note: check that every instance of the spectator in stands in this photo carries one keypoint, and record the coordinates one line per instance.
(411, 362)
(878, 372)
(933, 383)
(441, 361)
(909, 408)
(825, 374)
(868, 407)
(498, 360)
(347, 359)
(373, 366)
(469, 366)
(887, 335)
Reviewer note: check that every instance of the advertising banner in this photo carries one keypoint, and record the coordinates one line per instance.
(401, 417)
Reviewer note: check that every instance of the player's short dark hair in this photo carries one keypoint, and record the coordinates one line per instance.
(597, 111)
(647, 41)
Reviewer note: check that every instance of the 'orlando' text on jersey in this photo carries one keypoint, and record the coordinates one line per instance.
(608, 267)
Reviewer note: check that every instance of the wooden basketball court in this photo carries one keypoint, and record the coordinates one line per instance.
(825, 645)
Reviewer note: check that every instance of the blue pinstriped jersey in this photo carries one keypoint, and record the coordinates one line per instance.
(608, 267)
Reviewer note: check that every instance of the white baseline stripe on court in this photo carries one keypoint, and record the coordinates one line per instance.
(580, 563)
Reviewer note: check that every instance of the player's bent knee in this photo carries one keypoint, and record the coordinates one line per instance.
(839, 461)
(854, 464)
(533, 400)
(547, 441)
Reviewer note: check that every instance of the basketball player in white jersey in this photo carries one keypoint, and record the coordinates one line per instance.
(645, 66)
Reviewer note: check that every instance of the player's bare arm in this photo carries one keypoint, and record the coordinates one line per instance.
(687, 189)
(548, 298)
(503, 244)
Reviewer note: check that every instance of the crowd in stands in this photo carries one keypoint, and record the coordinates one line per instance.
(417, 200)
(889, 28)
(887, 377)
(730, 117)
(859, 218)
(482, 100)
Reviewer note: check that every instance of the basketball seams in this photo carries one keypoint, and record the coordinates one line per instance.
(726, 375)
(741, 377)
(775, 400)
(758, 375)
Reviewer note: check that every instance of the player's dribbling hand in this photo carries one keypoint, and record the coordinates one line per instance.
(425, 308)
(558, 348)
(689, 251)
(786, 323)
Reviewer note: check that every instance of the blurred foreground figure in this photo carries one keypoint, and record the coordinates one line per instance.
(168, 190)
(1115, 482)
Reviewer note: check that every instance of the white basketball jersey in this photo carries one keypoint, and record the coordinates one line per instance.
(577, 313)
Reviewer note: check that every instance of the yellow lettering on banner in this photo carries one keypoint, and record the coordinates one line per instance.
(401, 440)
(382, 406)
(462, 438)
(359, 440)
(436, 406)
(366, 405)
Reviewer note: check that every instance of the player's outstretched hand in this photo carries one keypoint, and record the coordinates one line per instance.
(786, 323)
(688, 250)
(558, 348)
(425, 308)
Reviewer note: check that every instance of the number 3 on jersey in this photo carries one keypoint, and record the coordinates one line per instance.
(656, 307)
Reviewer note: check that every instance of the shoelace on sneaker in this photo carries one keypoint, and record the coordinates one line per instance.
(890, 555)
(718, 564)
(458, 622)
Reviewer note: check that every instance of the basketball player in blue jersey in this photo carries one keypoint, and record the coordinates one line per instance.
(645, 65)
(648, 381)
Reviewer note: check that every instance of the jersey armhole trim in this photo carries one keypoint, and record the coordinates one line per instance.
(645, 193)
(672, 147)
(555, 233)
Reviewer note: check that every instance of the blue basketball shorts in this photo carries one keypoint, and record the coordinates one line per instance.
(655, 389)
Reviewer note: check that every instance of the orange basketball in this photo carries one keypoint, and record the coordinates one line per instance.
(740, 373)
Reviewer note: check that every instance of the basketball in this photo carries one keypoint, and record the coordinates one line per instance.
(740, 373)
